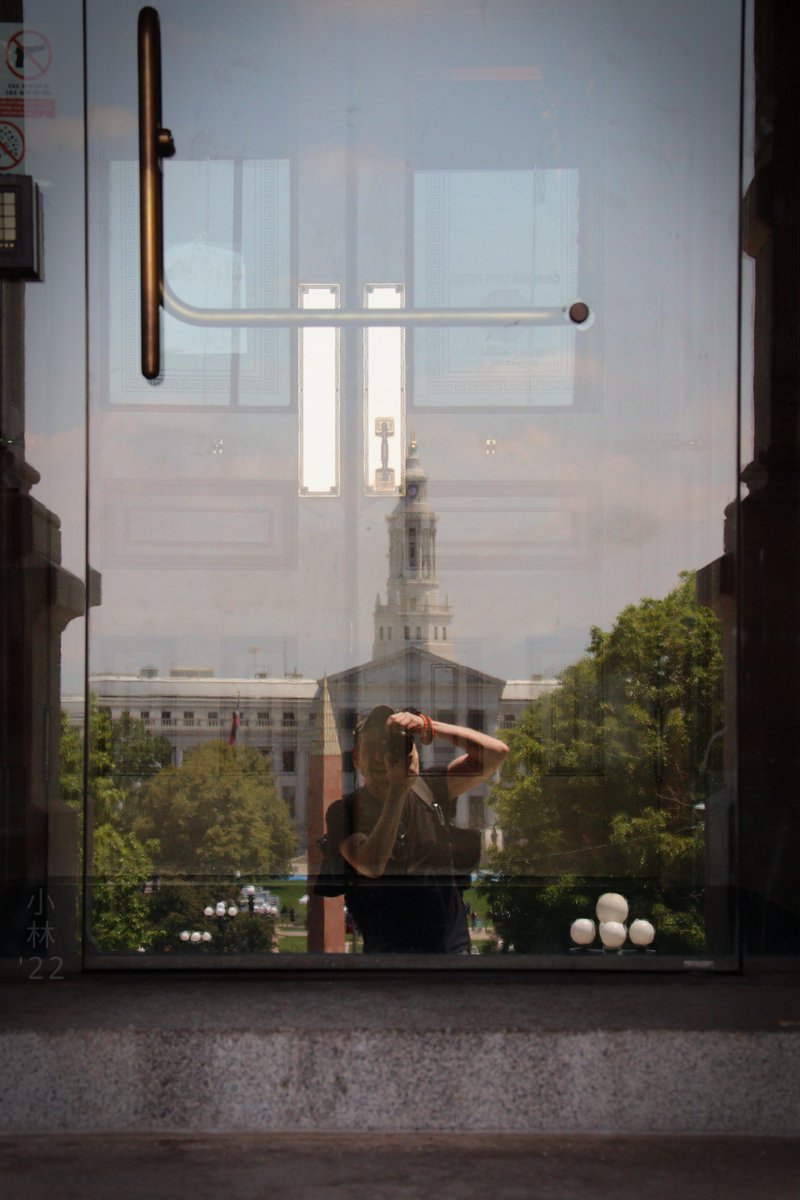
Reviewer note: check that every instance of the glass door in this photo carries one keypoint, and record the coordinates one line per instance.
(442, 416)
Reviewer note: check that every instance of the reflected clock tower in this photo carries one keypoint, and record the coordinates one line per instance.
(413, 612)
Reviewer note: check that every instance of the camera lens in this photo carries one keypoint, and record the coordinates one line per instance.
(399, 744)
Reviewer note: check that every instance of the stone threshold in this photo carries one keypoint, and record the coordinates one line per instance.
(232, 1054)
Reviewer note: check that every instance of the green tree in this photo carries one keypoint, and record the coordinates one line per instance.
(106, 797)
(121, 754)
(71, 764)
(120, 915)
(602, 777)
(179, 906)
(218, 812)
(137, 755)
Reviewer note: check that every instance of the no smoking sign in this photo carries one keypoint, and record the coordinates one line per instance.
(12, 146)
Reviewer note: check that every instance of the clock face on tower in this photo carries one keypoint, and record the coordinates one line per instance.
(412, 490)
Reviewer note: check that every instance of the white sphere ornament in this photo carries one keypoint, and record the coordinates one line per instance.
(206, 936)
(196, 936)
(611, 907)
(184, 935)
(232, 911)
(612, 934)
(208, 912)
(220, 909)
(582, 931)
(641, 933)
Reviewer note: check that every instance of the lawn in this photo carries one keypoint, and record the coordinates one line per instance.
(289, 892)
(292, 943)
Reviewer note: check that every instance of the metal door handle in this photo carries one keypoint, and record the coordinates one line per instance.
(155, 143)
(304, 318)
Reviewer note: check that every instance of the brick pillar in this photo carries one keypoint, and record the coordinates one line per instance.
(325, 914)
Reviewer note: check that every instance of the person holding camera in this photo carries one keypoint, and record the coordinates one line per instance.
(400, 862)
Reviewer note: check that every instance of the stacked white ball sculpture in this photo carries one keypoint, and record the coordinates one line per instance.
(611, 911)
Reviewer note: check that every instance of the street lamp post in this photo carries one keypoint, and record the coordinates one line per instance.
(224, 913)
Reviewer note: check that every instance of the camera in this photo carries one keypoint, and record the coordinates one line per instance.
(397, 744)
(386, 741)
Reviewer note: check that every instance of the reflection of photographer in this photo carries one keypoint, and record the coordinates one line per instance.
(390, 845)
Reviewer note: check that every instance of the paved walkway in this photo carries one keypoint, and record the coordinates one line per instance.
(397, 1167)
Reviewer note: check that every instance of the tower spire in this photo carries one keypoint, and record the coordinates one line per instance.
(325, 914)
(413, 613)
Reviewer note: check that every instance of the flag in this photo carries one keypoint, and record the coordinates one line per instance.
(234, 729)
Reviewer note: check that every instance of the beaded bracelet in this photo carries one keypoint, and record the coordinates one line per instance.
(428, 733)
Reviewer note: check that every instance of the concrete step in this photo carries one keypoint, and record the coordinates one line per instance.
(397, 1167)
(222, 1053)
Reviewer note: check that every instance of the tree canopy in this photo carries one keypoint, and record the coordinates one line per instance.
(121, 755)
(136, 754)
(217, 813)
(603, 776)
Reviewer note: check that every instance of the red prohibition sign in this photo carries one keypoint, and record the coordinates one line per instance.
(12, 145)
(28, 54)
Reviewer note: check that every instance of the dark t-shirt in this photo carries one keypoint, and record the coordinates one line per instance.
(416, 905)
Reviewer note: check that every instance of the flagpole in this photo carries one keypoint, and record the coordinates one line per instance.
(236, 720)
